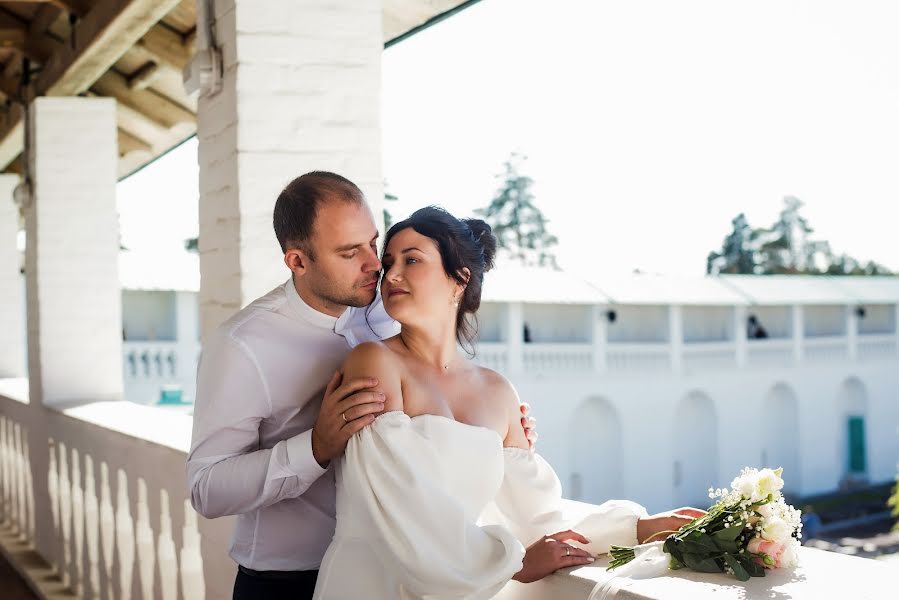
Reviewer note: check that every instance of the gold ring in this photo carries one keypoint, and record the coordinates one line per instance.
(343, 414)
(568, 551)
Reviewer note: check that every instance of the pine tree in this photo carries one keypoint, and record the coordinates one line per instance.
(519, 226)
(785, 248)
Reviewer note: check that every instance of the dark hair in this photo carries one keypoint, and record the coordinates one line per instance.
(463, 244)
(298, 203)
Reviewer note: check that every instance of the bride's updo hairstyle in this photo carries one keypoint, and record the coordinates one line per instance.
(463, 244)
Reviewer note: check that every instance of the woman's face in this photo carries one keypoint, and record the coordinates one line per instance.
(415, 288)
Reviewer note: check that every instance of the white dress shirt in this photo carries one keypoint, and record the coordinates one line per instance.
(261, 379)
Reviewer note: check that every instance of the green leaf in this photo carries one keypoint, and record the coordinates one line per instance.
(730, 534)
(753, 568)
(701, 563)
(739, 572)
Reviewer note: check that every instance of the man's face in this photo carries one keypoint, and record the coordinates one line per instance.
(346, 266)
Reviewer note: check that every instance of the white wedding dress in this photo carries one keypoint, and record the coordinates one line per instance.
(428, 507)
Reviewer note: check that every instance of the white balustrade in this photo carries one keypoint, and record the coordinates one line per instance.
(165, 548)
(78, 522)
(493, 356)
(769, 352)
(146, 546)
(876, 347)
(825, 349)
(124, 526)
(709, 356)
(638, 357)
(554, 358)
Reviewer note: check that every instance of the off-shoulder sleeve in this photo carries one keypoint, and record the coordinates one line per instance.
(529, 503)
(423, 533)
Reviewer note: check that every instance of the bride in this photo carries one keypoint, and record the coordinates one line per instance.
(440, 497)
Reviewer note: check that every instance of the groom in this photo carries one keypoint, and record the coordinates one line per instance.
(271, 411)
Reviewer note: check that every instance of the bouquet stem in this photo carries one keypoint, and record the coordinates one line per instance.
(621, 555)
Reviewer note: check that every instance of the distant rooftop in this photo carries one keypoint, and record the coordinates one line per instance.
(179, 270)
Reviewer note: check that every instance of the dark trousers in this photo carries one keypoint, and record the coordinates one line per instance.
(274, 585)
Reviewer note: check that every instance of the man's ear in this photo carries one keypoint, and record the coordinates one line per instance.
(296, 260)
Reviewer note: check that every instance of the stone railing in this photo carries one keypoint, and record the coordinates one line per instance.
(769, 352)
(709, 356)
(99, 493)
(643, 357)
(148, 367)
(876, 347)
(553, 358)
(625, 358)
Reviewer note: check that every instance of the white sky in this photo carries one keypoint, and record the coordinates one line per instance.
(649, 124)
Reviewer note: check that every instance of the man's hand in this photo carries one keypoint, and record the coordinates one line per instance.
(549, 554)
(345, 410)
(529, 424)
(652, 528)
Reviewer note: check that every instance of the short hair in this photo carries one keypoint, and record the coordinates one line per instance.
(298, 203)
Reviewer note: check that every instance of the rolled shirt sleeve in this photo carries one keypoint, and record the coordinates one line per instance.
(228, 472)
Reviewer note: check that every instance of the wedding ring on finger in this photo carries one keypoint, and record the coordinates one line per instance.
(568, 551)
(343, 414)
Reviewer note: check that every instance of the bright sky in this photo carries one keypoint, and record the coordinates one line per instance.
(648, 124)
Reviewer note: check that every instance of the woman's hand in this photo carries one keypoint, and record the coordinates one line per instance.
(651, 528)
(529, 424)
(550, 553)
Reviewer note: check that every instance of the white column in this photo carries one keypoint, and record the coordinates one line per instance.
(301, 92)
(742, 348)
(852, 331)
(676, 337)
(515, 337)
(12, 313)
(72, 245)
(798, 333)
(187, 330)
(600, 338)
(896, 327)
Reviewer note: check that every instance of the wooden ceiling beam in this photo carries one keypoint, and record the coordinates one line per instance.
(156, 107)
(170, 47)
(128, 143)
(101, 37)
(78, 7)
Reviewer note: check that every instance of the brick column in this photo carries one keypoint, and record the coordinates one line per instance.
(301, 92)
(12, 312)
(73, 295)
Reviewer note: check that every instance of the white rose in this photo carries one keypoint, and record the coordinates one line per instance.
(769, 482)
(790, 558)
(776, 529)
(747, 485)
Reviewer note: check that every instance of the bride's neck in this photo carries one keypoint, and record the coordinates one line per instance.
(434, 345)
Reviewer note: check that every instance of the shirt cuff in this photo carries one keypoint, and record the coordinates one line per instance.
(300, 459)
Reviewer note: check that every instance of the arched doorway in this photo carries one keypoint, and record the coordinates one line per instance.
(852, 412)
(595, 452)
(695, 437)
(781, 431)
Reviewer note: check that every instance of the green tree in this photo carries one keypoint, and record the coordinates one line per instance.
(519, 226)
(388, 197)
(785, 248)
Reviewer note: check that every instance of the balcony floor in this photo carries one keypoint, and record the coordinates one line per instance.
(13, 586)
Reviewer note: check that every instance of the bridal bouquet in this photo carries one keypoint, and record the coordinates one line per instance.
(749, 529)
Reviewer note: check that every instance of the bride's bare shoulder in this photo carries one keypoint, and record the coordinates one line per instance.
(501, 391)
(377, 360)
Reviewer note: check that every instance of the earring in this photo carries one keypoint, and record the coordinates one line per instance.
(456, 301)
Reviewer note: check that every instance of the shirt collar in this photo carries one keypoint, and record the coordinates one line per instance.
(309, 314)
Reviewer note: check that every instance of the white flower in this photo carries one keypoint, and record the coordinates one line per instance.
(790, 557)
(776, 529)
